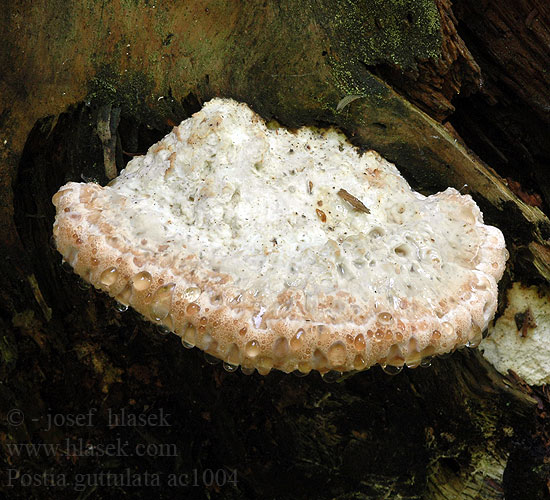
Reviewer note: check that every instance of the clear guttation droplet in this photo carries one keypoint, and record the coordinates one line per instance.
(162, 302)
(163, 329)
(109, 276)
(211, 360)
(426, 362)
(360, 342)
(125, 296)
(252, 348)
(191, 294)
(190, 335)
(120, 307)
(447, 329)
(385, 317)
(83, 284)
(192, 308)
(186, 344)
(476, 339)
(233, 356)
(281, 347)
(142, 281)
(300, 374)
(319, 359)
(265, 364)
(359, 362)
(298, 340)
(392, 370)
(228, 367)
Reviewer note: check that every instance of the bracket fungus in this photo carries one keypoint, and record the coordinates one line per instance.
(270, 248)
(518, 340)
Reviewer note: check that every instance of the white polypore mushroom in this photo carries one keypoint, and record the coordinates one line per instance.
(269, 248)
(519, 339)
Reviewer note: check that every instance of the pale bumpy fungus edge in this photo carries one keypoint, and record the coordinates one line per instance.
(269, 248)
(519, 339)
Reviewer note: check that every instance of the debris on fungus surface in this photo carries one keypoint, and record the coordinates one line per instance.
(519, 338)
(270, 248)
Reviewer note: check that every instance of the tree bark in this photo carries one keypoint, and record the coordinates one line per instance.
(443, 90)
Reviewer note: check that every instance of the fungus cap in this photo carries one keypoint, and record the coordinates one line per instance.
(270, 248)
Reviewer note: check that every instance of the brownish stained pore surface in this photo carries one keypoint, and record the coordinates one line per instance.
(423, 435)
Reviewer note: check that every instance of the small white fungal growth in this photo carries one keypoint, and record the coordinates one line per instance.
(520, 338)
(270, 248)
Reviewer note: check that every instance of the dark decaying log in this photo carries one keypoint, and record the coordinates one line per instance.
(441, 89)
